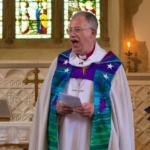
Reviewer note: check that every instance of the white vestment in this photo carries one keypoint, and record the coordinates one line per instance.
(74, 130)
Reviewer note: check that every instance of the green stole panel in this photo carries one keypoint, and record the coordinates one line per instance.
(101, 119)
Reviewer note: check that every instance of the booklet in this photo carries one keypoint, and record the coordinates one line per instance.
(71, 101)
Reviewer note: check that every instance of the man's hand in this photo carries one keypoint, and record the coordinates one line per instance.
(63, 109)
(86, 110)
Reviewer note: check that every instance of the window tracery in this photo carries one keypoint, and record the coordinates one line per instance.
(73, 6)
(33, 19)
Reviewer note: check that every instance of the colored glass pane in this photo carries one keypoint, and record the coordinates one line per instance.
(73, 6)
(33, 19)
(1, 17)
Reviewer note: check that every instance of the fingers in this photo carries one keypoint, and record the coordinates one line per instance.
(86, 110)
(63, 109)
(82, 112)
(79, 110)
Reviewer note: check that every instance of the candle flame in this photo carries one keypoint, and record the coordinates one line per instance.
(128, 44)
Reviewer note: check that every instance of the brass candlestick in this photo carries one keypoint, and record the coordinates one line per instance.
(128, 69)
(128, 63)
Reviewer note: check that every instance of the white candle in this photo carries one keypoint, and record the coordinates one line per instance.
(128, 46)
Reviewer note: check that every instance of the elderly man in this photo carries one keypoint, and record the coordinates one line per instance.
(105, 119)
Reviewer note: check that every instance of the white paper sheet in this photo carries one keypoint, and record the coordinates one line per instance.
(71, 101)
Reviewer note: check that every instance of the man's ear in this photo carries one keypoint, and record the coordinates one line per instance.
(94, 32)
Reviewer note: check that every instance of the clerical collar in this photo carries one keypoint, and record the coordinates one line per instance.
(85, 57)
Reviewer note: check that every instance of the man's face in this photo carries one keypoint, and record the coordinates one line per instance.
(82, 36)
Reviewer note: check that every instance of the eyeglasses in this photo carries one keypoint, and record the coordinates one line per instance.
(76, 30)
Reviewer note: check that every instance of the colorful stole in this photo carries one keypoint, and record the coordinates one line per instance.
(101, 74)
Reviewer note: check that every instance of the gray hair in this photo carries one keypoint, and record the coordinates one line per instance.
(89, 17)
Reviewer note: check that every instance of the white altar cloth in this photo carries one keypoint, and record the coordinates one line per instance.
(15, 132)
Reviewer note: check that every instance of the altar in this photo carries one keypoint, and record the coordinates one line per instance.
(15, 135)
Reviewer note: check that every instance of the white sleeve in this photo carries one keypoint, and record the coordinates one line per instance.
(122, 135)
(38, 139)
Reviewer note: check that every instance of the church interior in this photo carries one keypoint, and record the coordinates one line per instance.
(28, 45)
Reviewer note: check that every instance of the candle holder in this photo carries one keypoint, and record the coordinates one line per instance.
(128, 69)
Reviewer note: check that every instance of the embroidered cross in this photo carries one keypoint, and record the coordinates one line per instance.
(78, 90)
(84, 69)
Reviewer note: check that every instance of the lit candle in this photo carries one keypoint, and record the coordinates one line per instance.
(128, 46)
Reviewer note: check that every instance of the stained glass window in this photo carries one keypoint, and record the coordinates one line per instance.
(73, 6)
(33, 19)
(1, 18)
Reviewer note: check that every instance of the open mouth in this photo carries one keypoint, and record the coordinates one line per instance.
(74, 43)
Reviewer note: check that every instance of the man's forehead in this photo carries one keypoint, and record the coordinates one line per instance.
(77, 23)
(75, 26)
(74, 19)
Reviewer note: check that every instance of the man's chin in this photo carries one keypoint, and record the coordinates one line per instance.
(76, 50)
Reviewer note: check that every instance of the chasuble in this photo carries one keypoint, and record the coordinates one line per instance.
(99, 80)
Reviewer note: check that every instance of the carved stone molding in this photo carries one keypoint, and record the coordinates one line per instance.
(139, 84)
(21, 97)
(14, 133)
